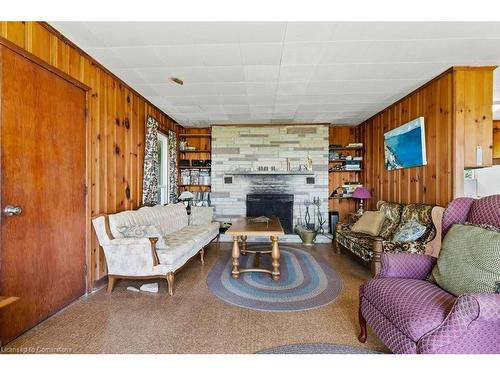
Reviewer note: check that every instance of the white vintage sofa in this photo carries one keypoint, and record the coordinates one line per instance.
(153, 242)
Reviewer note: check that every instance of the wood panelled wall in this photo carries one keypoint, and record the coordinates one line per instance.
(456, 107)
(117, 125)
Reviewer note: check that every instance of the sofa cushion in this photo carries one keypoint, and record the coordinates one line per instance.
(469, 260)
(411, 231)
(392, 214)
(169, 218)
(422, 213)
(370, 223)
(415, 307)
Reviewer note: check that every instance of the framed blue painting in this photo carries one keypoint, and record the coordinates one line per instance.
(405, 146)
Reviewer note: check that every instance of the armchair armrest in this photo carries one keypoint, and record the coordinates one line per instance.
(131, 256)
(468, 308)
(377, 253)
(380, 245)
(406, 266)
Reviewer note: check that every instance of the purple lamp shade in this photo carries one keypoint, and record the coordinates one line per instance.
(361, 193)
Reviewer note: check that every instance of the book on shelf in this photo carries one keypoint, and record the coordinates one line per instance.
(185, 177)
(195, 176)
(204, 178)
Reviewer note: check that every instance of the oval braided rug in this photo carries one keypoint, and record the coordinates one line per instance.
(307, 282)
(317, 349)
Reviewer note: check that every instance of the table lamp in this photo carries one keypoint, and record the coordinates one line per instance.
(361, 193)
(187, 196)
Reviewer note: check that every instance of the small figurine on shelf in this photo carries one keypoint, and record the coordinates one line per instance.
(309, 163)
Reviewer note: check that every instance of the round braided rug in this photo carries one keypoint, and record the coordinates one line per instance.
(307, 282)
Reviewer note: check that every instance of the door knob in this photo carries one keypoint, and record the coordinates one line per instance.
(12, 210)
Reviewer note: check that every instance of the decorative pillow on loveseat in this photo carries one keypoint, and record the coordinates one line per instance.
(469, 260)
(411, 231)
(369, 223)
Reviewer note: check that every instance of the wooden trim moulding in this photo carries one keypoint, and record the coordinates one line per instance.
(28, 55)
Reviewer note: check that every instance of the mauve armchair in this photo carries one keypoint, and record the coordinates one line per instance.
(412, 315)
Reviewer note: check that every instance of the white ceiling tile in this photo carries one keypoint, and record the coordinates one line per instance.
(261, 32)
(261, 53)
(292, 88)
(260, 88)
(226, 73)
(296, 73)
(236, 109)
(181, 55)
(261, 73)
(309, 31)
(220, 54)
(309, 53)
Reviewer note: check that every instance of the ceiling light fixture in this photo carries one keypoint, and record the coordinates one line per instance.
(176, 80)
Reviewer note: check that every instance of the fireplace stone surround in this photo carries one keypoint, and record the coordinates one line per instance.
(237, 153)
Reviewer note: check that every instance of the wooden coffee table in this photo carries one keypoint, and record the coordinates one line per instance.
(241, 229)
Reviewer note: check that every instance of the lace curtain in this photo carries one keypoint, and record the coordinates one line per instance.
(151, 164)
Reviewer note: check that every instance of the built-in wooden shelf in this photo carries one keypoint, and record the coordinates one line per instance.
(195, 135)
(341, 198)
(195, 167)
(196, 151)
(346, 171)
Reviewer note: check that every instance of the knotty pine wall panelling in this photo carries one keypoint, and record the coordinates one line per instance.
(117, 125)
(456, 107)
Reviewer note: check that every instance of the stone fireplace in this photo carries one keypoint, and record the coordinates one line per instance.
(249, 160)
(280, 205)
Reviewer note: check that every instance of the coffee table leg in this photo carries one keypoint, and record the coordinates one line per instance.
(275, 254)
(243, 245)
(236, 258)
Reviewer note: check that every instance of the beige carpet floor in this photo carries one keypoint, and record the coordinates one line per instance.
(195, 321)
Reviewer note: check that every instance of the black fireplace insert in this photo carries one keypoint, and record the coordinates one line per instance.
(280, 205)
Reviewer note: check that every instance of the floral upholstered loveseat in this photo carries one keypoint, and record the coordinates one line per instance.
(153, 242)
(368, 248)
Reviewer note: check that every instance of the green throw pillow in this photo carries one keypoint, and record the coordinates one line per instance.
(469, 260)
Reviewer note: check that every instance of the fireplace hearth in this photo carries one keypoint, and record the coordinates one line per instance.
(280, 205)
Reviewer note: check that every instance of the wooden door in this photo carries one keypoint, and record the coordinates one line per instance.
(43, 169)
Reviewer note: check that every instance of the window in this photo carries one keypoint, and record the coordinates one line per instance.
(163, 177)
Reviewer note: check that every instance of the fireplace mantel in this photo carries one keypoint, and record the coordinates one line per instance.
(298, 173)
